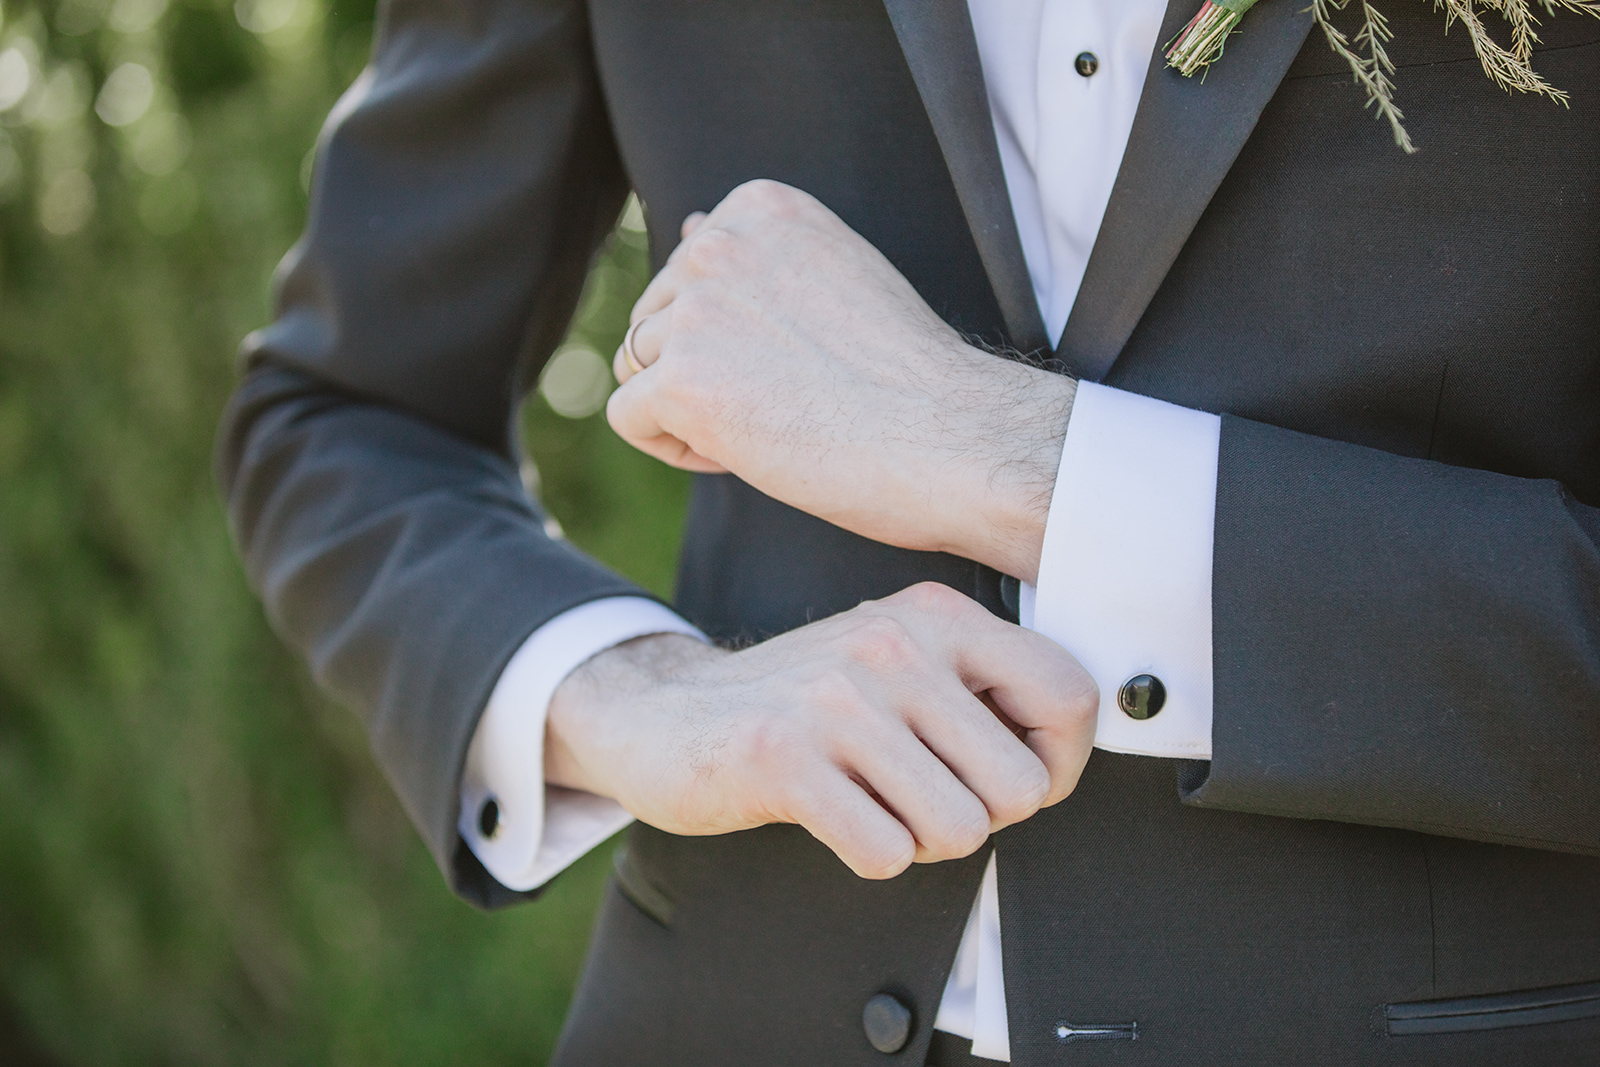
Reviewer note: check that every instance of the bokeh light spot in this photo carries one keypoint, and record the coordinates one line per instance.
(576, 382)
(126, 95)
(136, 16)
(16, 76)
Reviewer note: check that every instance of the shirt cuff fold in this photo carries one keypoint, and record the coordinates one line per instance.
(523, 831)
(1125, 573)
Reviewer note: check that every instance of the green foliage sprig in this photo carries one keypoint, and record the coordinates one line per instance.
(1201, 43)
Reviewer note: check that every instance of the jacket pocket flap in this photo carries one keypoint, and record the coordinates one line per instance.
(1494, 1011)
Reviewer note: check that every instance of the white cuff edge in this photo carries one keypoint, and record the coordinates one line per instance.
(1125, 572)
(535, 838)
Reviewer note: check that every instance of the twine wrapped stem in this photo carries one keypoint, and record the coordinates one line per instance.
(1201, 41)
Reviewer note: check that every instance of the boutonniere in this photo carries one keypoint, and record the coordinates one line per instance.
(1200, 44)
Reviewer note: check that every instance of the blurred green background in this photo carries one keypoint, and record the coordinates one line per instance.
(198, 861)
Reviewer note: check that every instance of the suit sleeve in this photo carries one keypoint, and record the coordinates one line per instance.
(1399, 642)
(368, 458)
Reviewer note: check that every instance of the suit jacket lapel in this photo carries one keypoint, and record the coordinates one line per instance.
(1185, 137)
(936, 37)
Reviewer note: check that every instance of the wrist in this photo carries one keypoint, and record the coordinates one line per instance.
(1013, 483)
(593, 712)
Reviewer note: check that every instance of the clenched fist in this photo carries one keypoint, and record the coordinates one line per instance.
(906, 729)
(778, 344)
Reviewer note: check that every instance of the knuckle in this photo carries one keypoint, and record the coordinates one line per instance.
(885, 859)
(688, 314)
(1034, 786)
(1083, 700)
(772, 743)
(763, 194)
(962, 835)
(884, 644)
(678, 384)
(834, 691)
(709, 251)
(1026, 793)
(936, 598)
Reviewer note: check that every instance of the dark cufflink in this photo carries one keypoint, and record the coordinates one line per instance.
(489, 819)
(887, 1021)
(1142, 697)
(1086, 64)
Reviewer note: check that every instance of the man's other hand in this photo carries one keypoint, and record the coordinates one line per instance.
(778, 344)
(907, 729)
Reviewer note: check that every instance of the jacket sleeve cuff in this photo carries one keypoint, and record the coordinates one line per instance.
(523, 831)
(1125, 574)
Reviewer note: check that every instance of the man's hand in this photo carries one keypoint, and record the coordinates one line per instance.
(779, 345)
(906, 729)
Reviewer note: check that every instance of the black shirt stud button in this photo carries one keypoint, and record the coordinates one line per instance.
(1086, 64)
(887, 1022)
(489, 819)
(1142, 696)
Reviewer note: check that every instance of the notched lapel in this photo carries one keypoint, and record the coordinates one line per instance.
(936, 37)
(1185, 137)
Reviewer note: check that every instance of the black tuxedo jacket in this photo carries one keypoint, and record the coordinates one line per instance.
(1404, 803)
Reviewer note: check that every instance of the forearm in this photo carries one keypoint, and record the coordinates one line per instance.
(369, 457)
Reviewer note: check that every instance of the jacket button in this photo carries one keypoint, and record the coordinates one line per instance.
(1086, 64)
(1142, 696)
(887, 1021)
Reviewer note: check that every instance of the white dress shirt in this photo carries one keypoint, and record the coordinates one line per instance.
(1061, 137)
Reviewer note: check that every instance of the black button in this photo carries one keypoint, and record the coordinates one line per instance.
(489, 819)
(1142, 696)
(1086, 64)
(887, 1022)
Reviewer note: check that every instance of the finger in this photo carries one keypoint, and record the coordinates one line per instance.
(945, 818)
(982, 751)
(680, 269)
(675, 453)
(838, 812)
(667, 283)
(646, 337)
(1040, 687)
(691, 223)
(661, 290)
(629, 411)
(1035, 682)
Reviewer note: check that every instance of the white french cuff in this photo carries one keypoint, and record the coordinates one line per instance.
(1125, 574)
(523, 831)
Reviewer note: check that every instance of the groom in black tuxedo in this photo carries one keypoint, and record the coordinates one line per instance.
(1386, 846)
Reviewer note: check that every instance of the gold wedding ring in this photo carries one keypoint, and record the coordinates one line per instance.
(627, 349)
